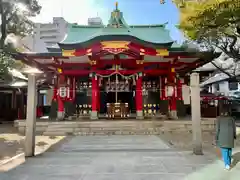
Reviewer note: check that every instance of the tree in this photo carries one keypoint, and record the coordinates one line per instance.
(15, 19)
(213, 25)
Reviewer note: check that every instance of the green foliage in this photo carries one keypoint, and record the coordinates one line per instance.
(15, 18)
(6, 61)
(213, 24)
(17, 15)
(211, 18)
(216, 24)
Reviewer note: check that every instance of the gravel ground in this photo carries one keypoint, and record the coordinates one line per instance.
(183, 140)
(11, 143)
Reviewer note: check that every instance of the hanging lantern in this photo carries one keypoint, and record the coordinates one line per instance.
(169, 90)
(63, 92)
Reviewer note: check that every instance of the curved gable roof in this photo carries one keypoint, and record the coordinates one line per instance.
(153, 34)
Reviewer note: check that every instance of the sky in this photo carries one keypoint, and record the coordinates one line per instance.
(135, 12)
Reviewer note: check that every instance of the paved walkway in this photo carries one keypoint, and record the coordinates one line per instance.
(119, 158)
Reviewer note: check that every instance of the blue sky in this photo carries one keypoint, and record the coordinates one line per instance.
(134, 11)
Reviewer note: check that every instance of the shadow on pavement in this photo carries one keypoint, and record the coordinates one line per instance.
(236, 159)
(54, 147)
(39, 152)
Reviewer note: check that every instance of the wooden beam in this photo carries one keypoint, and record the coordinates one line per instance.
(128, 62)
(108, 72)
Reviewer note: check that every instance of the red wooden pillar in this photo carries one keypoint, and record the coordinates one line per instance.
(60, 113)
(139, 97)
(94, 113)
(54, 97)
(173, 99)
(98, 96)
(163, 86)
(73, 89)
(179, 88)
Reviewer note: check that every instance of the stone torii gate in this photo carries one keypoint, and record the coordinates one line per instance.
(32, 103)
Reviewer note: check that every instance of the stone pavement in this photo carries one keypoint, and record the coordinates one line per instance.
(120, 158)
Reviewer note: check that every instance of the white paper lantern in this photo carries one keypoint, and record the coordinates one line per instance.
(169, 91)
(62, 92)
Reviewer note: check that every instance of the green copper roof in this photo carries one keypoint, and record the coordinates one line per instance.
(117, 29)
(156, 34)
(176, 45)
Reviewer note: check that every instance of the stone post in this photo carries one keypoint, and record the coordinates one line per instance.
(61, 109)
(60, 101)
(139, 98)
(49, 97)
(196, 114)
(31, 116)
(94, 112)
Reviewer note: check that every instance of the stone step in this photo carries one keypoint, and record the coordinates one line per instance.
(117, 128)
(124, 129)
(114, 127)
(95, 126)
(106, 130)
(55, 133)
(104, 126)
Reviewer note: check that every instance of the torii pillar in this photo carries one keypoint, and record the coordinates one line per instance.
(196, 114)
(30, 131)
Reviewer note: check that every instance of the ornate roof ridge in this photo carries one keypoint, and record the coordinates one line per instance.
(86, 26)
(149, 25)
(130, 26)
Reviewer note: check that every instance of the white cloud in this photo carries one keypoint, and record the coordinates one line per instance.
(75, 11)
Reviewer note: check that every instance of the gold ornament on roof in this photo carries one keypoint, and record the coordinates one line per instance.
(115, 44)
(115, 47)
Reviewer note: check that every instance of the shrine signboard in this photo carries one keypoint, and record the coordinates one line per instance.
(115, 47)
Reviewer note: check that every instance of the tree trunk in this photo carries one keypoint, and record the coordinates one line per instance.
(222, 70)
(3, 25)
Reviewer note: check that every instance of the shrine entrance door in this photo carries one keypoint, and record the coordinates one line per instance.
(119, 100)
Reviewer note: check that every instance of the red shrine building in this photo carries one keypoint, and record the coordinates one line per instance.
(117, 71)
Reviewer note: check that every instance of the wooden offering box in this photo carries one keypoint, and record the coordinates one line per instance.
(117, 110)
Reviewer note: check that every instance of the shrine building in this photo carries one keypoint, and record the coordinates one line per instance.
(117, 71)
